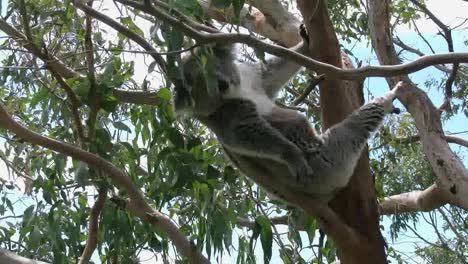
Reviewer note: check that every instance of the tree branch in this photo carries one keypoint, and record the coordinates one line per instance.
(137, 97)
(415, 201)
(94, 97)
(50, 60)
(452, 176)
(452, 227)
(25, 20)
(313, 83)
(281, 20)
(11, 258)
(447, 34)
(139, 206)
(57, 68)
(140, 40)
(280, 26)
(93, 227)
(411, 139)
(441, 67)
(245, 222)
(457, 140)
(331, 72)
(74, 105)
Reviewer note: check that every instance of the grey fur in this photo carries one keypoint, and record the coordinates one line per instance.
(321, 164)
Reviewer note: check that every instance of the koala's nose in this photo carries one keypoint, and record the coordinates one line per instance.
(223, 86)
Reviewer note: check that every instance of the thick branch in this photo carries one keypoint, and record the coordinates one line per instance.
(411, 139)
(272, 177)
(415, 201)
(93, 227)
(452, 176)
(141, 207)
(137, 97)
(331, 72)
(11, 258)
(457, 140)
(284, 22)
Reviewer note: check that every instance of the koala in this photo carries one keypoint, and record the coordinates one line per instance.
(235, 112)
(242, 113)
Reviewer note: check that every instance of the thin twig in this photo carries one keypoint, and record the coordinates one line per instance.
(124, 31)
(296, 108)
(25, 20)
(447, 34)
(74, 105)
(60, 68)
(314, 82)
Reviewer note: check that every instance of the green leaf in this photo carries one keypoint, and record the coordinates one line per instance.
(212, 173)
(39, 96)
(80, 87)
(82, 201)
(260, 54)
(27, 215)
(237, 5)
(35, 237)
(152, 66)
(209, 73)
(176, 138)
(310, 227)
(122, 126)
(165, 94)
(263, 228)
(109, 103)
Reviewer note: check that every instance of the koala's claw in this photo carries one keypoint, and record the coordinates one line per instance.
(396, 110)
(303, 32)
(303, 174)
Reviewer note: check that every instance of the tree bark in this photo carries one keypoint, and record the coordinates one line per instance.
(452, 176)
(356, 204)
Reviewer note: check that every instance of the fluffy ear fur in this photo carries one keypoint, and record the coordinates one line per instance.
(224, 51)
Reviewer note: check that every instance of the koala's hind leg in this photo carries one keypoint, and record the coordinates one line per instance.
(249, 134)
(296, 128)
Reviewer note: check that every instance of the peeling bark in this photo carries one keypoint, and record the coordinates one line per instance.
(452, 176)
(11, 258)
(415, 201)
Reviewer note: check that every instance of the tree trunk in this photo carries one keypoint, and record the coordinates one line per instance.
(356, 204)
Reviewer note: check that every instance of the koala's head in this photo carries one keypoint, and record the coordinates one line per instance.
(208, 74)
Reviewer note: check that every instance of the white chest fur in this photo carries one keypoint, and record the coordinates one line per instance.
(250, 87)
